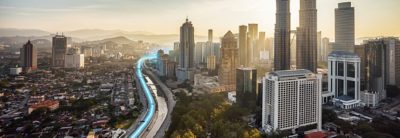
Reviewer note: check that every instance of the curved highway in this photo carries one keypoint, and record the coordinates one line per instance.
(150, 99)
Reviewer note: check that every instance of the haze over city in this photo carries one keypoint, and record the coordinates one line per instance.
(200, 68)
(161, 16)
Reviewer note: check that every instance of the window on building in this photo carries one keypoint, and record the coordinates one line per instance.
(340, 87)
(351, 70)
(351, 89)
(340, 69)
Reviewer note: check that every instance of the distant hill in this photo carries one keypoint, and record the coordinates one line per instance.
(22, 32)
(94, 35)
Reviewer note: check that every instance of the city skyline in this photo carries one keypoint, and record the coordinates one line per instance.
(137, 15)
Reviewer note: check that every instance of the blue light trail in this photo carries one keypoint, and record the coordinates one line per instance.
(150, 100)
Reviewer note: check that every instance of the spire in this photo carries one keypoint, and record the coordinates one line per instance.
(187, 20)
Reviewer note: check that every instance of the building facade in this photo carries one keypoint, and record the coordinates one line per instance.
(59, 50)
(229, 60)
(28, 55)
(246, 87)
(344, 27)
(344, 79)
(291, 99)
(306, 36)
(186, 54)
(243, 46)
(375, 62)
(282, 36)
(74, 61)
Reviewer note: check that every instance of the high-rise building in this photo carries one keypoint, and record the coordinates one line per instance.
(211, 63)
(260, 44)
(253, 31)
(28, 55)
(344, 27)
(381, 58)
(243, 46)
(74, 60)
(360, 51)
(375, 62)
(59, 50)
(198, 52)
(229, 60)
(253, 42)
(246, 87)
(291, 99)
(186, 54)
(319, 46)
(171, 69)
(210, 35)
(344, 79)
(282, 36)
(324, 49)
(306, 51)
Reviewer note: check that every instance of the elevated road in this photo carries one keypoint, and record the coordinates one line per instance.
(150, 99)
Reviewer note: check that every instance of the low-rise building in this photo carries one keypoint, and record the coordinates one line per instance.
(51, 104)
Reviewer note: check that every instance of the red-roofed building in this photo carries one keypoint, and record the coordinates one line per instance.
(51, 104)
(318, 134)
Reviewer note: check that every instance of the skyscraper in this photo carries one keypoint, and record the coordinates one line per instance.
(282, 36)
(59, 49)
(344, 27)
(260, 44)
(210, 35)
(28, 55)
(186, 54)
(243, 45)
(229, 60)
(306, 51)
(375, 76)
(319, 46)
(246, 87)
(291, 99)
(324, 48)
(252, 41)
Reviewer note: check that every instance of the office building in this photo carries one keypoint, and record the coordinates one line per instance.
(198, 52)
(324, 49)
(344, 28)
(186, 54)
(243, 46)
(282, 36)
(59, 50)
(291, 99)
(246, 87)
(344, 79)
(375, 65)
(260, 45)
(73, 60)
(319, 47)
(28, 56)
(211, 63)
(306, 36)
(253, 43)
(229, 60)
(210, 35)
(171, 69)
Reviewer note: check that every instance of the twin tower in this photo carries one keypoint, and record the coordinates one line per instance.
(306, 36)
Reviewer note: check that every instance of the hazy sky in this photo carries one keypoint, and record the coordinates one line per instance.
(373, 17)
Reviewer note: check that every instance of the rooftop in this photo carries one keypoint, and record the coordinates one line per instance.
(291, 73)
(345, 54)
(345, 98)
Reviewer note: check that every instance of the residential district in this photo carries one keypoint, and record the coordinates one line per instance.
(297, 84)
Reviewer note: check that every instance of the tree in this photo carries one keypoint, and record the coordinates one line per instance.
(364, 128)
(328, 115)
